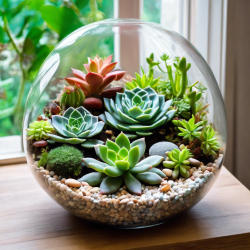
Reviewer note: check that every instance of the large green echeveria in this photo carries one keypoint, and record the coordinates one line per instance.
(77, 125)
(137, 111)
(121, 162)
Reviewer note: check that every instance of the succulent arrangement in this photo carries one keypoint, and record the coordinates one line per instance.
(89, 141)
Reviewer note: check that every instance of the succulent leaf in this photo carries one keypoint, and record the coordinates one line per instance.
(153, 161)
(149, 177)
(157, 171)
(110, 184)
(133, 185)
(133, 156)
(140, 169)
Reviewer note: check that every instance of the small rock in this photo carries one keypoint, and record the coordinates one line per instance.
(194, 162)
(92, 103)
(166, 188)
(111, 92)
(73, 183)
(124, 201)
(167, 172)
(160, 148)
(39, 144)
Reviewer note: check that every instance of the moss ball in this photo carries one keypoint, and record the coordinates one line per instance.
(65, 161)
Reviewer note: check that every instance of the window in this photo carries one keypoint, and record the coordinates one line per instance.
(203, 22)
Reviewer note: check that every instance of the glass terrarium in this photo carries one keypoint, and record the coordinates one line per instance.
(125, 124)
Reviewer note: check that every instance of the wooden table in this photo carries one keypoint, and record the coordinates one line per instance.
(30, 219)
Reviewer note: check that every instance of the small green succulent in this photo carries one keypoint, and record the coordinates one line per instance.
(179, 162)
(65, 160)
(209, 141)
(121, 163)
(76, 125)
(143, 82)
(137, 111)
(189, 130)
(38, 130)
(72, 97)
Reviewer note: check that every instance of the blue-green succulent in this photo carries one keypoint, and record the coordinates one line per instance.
(76, 127)
(137, 111)
(121, 163)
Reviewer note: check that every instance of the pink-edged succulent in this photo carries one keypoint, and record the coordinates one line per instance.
(99, 76)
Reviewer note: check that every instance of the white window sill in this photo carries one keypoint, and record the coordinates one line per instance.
(11, 150)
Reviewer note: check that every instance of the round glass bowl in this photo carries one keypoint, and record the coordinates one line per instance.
(130, 42)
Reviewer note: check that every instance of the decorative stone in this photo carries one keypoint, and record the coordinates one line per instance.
(160, 148)
(166, 188)
(40, 144)
(194, 162)
(167, 172)
(92, 103)
(73, 183)
(109, 93)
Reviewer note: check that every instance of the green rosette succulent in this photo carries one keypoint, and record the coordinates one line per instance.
(76, 126)
(189, 129)
(179, 162)
(209, 141)
(38, 130)
(121, 163)
(137, 111)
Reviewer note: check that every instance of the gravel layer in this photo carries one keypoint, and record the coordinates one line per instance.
(122, 209)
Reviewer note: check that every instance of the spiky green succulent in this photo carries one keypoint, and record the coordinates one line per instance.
(210, 144)
(76, 126)
(38, 130)
(137, 111)
(179, 162)
(121, 163)
(189, 129)
(143, 81)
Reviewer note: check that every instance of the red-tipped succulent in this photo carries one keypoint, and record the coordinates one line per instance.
(99, 76)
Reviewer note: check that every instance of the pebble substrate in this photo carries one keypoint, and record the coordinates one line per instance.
(122, 209)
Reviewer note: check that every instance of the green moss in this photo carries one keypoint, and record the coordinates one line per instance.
(43, 161)
(65, 161)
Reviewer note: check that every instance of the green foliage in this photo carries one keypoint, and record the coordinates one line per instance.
(179, 162)
(65, 161)
(43, 161)
(210, 144)
(72, 97)
(137, 111)
(143, 82)
(29, 30)
(189, 130)
(38, 130)
(121, 163)
(76, 125)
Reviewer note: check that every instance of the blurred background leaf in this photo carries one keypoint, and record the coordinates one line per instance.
(29, 30)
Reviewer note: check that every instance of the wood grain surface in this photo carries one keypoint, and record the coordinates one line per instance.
(30, 219)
